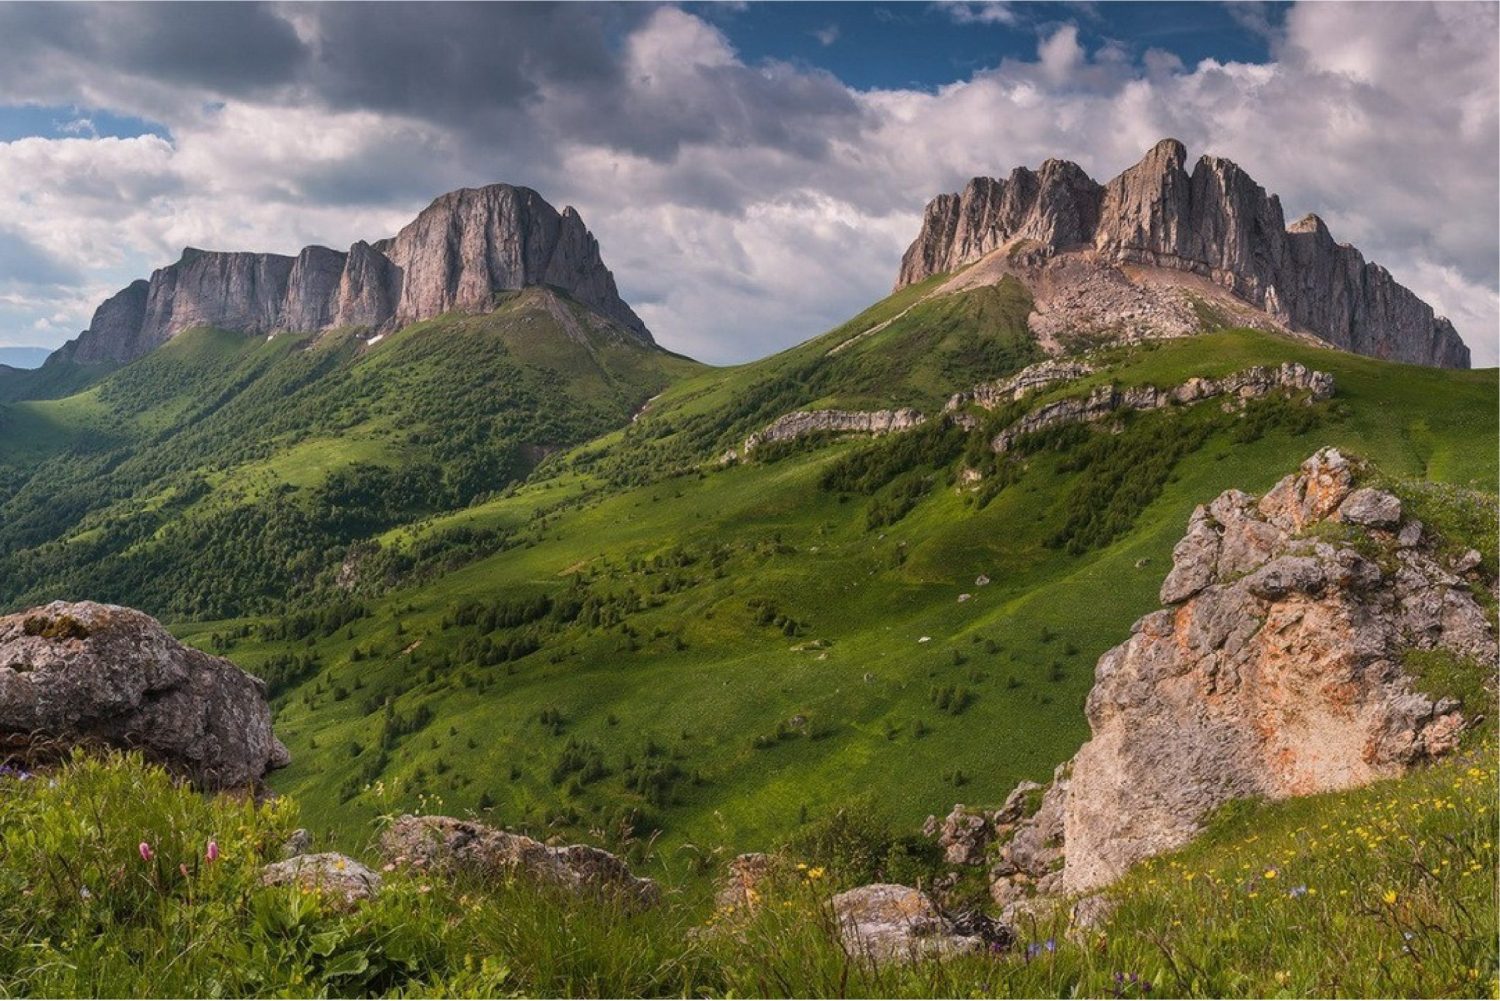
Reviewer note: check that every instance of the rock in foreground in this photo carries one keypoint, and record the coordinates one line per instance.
(86, 674)
(455, 846)
(330, 873)
(885, 922)
(1277, 672)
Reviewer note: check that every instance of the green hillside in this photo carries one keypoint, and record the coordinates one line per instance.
(224, 475)
(474, 581)
(722, 652)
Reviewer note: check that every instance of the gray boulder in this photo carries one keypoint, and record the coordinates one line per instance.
(446, 844)
(86, 674)
(886, 922)
(337, 876)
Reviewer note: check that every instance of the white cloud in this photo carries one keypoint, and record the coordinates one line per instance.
(982, 12)
(745, 207)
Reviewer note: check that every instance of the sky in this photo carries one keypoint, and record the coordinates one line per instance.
(753, 171)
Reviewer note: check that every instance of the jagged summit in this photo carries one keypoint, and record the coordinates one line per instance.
(1214, 221)
(460, 250)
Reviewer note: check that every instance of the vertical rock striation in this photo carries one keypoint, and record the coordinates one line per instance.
(455, 256)
(1213, 221)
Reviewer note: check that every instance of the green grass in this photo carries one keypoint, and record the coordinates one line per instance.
(1387, 891)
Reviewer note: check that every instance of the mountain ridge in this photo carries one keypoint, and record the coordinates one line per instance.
(456, 254)
(1214, 221)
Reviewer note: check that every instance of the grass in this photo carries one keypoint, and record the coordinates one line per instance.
(1387, 891)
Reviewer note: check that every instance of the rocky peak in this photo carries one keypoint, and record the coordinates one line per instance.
(459, 251)
(1214, 221)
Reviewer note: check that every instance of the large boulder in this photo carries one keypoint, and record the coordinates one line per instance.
(86, 674)
(1275, 672)
(446, 844)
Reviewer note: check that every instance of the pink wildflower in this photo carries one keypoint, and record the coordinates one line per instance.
(212, 853)
(146, 853)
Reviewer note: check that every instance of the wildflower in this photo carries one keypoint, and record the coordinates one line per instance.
(84, 893)
(1389, 896)
(182, 868)
(146, 853)
(1298, 891)
(1270, 873)
(815, 873)
(211, 853)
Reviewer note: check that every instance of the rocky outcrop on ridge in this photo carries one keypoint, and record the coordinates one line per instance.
(92, 675)
(990, 395)
(1274, 671)
(450, 845)
(806, 422)
(1214, 221)
(462, 249)
(1252, 383)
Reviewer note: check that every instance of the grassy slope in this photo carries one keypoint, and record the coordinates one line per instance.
(856, 673)
(216, 431)
(1387, 891)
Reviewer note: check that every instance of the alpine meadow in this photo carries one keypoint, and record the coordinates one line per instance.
(1107, 609)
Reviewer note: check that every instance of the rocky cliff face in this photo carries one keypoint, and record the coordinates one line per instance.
(1214, 221)
(1275, 670)
(462, 249)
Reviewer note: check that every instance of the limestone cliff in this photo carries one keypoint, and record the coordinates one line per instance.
(1275, 670)
(461, 250)
(1214, 221)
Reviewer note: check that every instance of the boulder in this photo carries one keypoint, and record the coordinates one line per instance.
(1371, 508)
(1275, 673)
(963, 835)
(86, 674)
(885, 922)
(336, 876)
(446, 844)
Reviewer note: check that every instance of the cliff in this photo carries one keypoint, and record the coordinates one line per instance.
(1214, 221)
(461, 250)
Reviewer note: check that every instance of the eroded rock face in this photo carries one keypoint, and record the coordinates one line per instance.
(806, 422)
(462, 249)
(100, 675)
(1275, 672)
(885, 922)
(1214, 221)
(1252, 383)
(452, 845)
(990, 395)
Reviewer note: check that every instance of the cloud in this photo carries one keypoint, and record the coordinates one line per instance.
(984, 12)
(827, 35)
(743, 205)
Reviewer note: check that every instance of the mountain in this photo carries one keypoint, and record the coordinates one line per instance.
(1117, 244)
(455, 256)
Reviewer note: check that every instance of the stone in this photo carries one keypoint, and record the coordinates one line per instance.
(336, 876)
(963, 835)
(1213, 223)
(1276, 673)
(1410, 534)
(447, 844)
(299, 842)
(1371, 508)
(885, 922)
(83, 674)
(1469, 560)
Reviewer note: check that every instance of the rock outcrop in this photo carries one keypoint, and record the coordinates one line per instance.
(456, 255)
(807, 422)
(458, 846)
(990, 395)
(1214, 221)
(1274, 672)
(85, 674)
(1252, 383)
